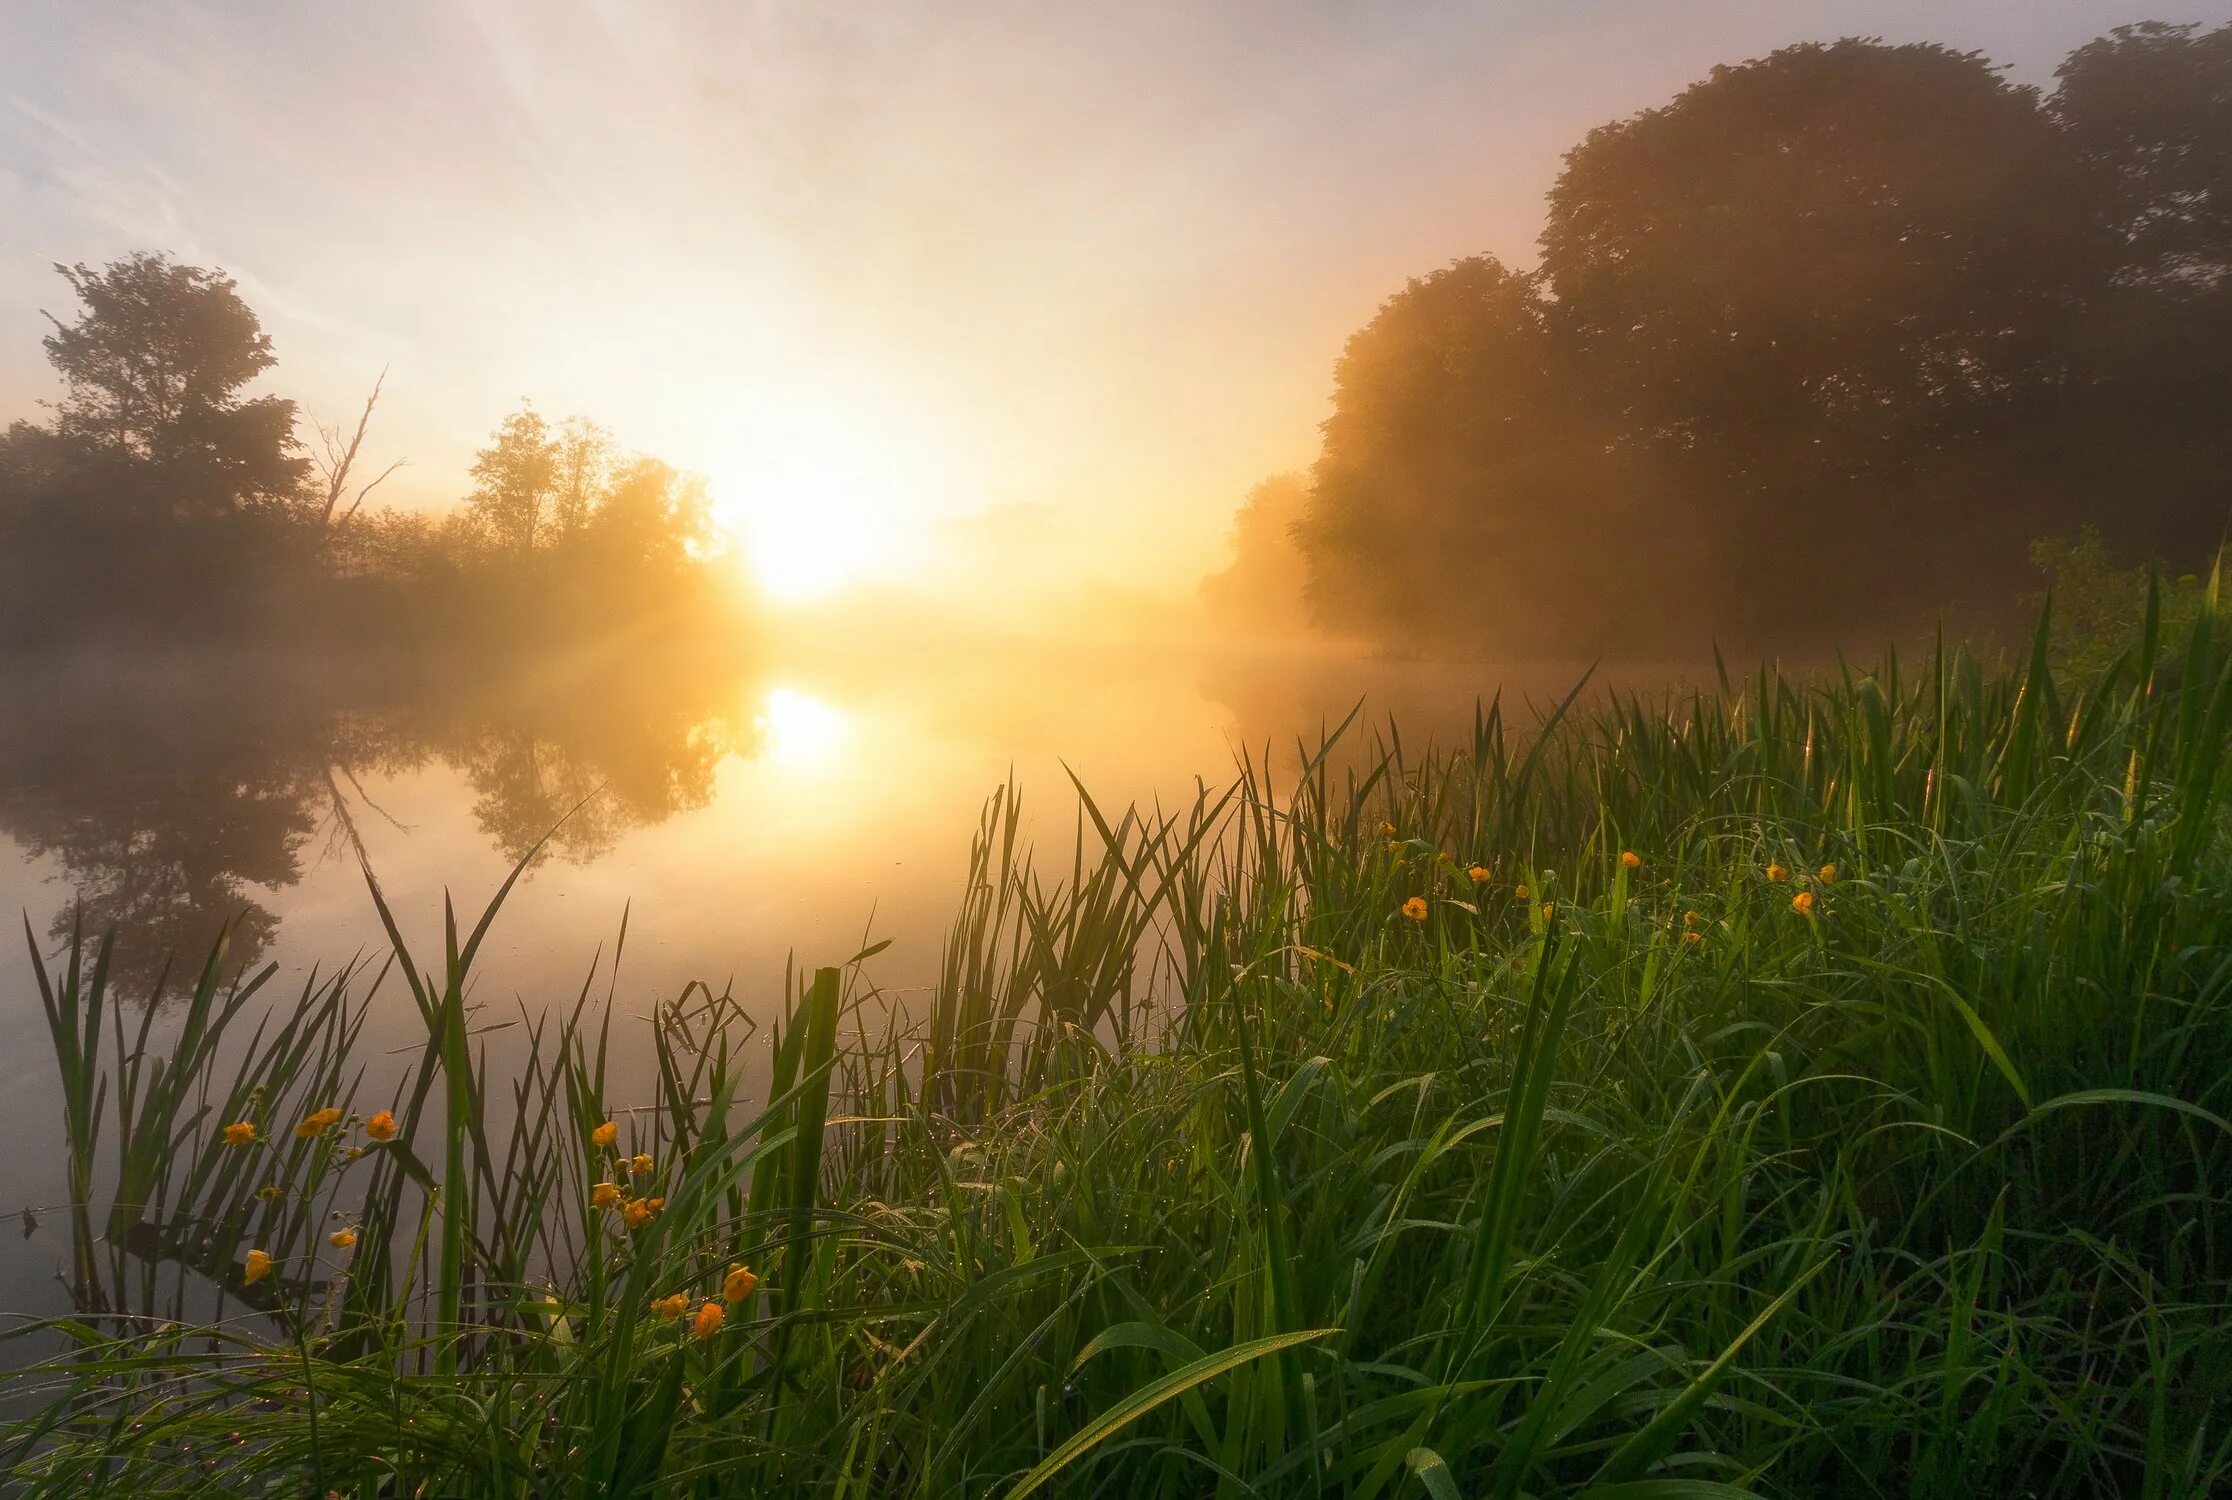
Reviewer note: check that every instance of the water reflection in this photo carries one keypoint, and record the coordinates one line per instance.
(801, 731)
(765, 811)
(170, 802)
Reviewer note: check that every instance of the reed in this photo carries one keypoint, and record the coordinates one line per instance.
(1807, 1086)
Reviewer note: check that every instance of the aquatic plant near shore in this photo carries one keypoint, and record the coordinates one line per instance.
(1197, 1171)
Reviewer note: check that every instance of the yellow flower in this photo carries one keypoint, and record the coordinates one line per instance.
(1480, 874)
(604, 1195)
(1802, 903)
(738, 1284)
(1415, 908)
(1693, 937)
(381, 1127)
(641, 1165)
(341, 1239)
(1828, 874)
(1631, 859)
(1548, 911)
(670, 1309)
(1691, 919)
(1777, 873)
(1395, 848)
(317, 1123)
(240, 1133)
(708, 1321)
(256, 1269)
(1387, 830)
(605, 1134)
(1521, 893)
(637, 1212)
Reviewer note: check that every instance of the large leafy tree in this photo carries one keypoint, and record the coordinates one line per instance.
(2151, 105)
(1820, 345)
(2149, 108)
(1876, 249)
(1463, 492)
(1261, 591)
(154, 371)
(516, 481)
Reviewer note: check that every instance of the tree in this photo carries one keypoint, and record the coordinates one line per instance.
(1805, 351)
(584, 460)
(1829, 262)
(1457, 472)
(652, 517)
(335, 464)
(1261, 591)
(2151, 106)
(153, 371)
(516, 480)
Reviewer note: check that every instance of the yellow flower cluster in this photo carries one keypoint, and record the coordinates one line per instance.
(317, 1123)
(736, 1286)
(381, 1127)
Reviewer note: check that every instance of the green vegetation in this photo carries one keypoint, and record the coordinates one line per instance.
(161, 475)
(1864, 1133)
(1864, 318)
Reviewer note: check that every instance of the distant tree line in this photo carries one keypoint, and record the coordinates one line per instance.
(162, 502)
(1821, 346)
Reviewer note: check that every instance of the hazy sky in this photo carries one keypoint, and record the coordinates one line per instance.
(891, 274)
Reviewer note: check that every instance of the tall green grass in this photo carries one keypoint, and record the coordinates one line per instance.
(1207, 1170)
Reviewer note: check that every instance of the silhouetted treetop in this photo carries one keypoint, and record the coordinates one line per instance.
(515, 479)
(1859, 240)
(1821, 344)
(164, 502)
(152, 370)
(2152, 105)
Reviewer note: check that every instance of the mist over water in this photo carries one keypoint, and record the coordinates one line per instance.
(733, 816)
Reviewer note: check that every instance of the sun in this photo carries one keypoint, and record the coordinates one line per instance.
(814, 506)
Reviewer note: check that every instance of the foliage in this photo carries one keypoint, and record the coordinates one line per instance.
(153, 371)
(514, 478)
(160, 477)
(1260, 591)
(1798, 1088)
(2149, 104)
(1857, 318)
(2099, 607)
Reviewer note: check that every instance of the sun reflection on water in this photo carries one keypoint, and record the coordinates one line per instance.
(802, 731)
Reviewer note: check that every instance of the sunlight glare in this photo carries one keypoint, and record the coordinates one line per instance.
(815, 506)
(801, 730)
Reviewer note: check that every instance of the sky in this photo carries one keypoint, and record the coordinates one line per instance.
(1029, 285)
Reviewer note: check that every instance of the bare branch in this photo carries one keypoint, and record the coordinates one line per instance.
(340, 459)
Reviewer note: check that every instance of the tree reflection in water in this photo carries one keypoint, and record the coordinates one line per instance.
(171, 797)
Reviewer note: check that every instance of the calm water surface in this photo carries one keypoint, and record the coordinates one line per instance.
(740, 815)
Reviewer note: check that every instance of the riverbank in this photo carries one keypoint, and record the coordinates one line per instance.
(1802, 1087)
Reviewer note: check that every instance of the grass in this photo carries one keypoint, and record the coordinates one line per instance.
(1205, 1170)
